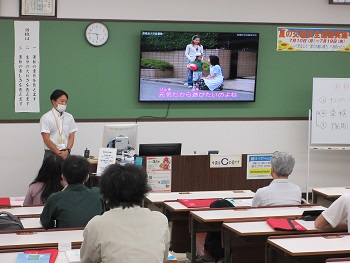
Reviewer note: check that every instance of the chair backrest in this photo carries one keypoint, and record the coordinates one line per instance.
(221, 203)
(9, 221)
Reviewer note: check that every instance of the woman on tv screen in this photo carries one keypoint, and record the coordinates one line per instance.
(215, 79)
(191, 50)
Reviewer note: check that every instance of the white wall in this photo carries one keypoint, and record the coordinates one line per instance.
(270, 11)
(21, 149)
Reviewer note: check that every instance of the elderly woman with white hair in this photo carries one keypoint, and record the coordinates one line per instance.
(280, 191)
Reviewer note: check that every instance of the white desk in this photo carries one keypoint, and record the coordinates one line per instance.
(176, 207)
(11, 257)
(61, 257)
(160, 198)
(338, 260)
(178, 214)
(221, 215)
(249, 238)
(11, 241)
(327, 195)
(211, 220)
(25, 211)
(31, 223)
(16, 201)
(262, 228)
(316, 247)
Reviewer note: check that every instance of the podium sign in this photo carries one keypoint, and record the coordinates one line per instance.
(225, 161)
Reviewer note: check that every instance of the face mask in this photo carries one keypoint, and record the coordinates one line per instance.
(61, 108)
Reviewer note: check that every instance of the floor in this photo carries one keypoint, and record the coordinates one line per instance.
(181, 258)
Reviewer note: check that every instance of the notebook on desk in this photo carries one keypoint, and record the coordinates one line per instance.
(196, 203)
(284, 224)
(5, 201)
(43, 255)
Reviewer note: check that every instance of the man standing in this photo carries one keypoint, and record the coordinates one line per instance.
(280, 191)
(58, 127)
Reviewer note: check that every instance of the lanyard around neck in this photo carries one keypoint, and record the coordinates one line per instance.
(60, 132)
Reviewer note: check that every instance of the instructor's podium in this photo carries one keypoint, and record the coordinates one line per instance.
(193, 173)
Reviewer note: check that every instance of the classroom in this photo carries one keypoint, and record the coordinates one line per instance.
(283, 128)
(103, 84)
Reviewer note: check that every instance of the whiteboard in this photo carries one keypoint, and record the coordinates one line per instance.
(330, 111)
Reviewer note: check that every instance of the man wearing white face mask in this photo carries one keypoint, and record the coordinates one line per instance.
(58, 127)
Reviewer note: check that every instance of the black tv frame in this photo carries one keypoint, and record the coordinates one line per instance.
(160, 149)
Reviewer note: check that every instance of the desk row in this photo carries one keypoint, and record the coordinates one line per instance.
(242, 238)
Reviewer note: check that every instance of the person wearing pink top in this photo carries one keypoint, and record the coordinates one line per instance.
(48, 181)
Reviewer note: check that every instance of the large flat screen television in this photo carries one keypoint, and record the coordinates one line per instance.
(164, 66)
(160, 149)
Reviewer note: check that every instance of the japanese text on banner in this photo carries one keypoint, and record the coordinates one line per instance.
(313, 39)
(259, 166)
(26, 63)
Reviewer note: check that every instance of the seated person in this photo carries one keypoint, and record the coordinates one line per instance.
(127, 232)
(280, 191)
(75, 205)
(213, 240)
(48, 181)
(215, 79)
(336, 216)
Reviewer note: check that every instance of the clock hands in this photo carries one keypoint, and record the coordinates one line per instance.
(96, 34)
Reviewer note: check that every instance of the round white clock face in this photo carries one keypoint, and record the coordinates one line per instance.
(96, 34)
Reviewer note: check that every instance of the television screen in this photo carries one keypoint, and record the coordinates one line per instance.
(123, 137)
(160, 149)
(167, 74)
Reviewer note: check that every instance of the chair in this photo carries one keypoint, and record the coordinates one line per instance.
(212, 241)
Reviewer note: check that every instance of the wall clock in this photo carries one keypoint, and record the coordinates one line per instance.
(96, 34)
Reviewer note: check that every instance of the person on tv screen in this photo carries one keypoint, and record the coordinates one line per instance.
(127, 232)
(58, 127)
(215, 79)
(48, 181)
(191, 50)
(197, 68)
(280, 191)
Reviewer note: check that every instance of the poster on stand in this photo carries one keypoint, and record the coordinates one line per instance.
(159, 173)
(259, 166)
(106, 156)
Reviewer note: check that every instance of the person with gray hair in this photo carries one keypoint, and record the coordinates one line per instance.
(280, 191)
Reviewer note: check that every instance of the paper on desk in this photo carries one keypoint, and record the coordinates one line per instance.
(73, 255)
(247, 201)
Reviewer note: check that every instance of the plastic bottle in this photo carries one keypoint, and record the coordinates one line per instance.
(86, 153)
